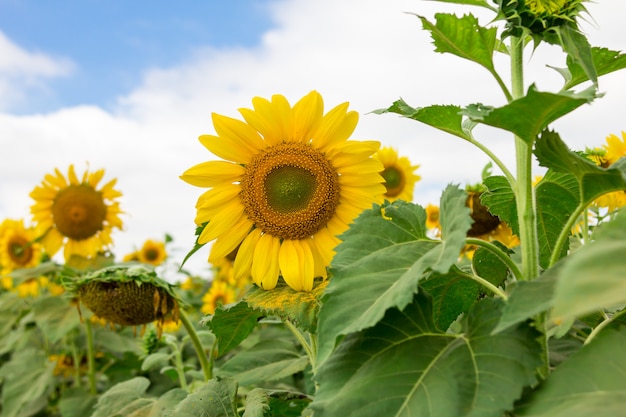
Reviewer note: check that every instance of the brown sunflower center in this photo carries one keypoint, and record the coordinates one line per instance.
(394, 181)
(152, 254)
(484, 221)
(20, 250)
(79, 212)
(290, 190)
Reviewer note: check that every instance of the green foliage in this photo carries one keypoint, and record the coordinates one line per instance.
(406, 366)
(232, 324)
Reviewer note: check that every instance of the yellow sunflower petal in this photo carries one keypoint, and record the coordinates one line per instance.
(296, 264)
(265, 267)
(243, 262)
(307, 115)
(226, 244)
(226, 148)
(222, 223)
(213, 173)
(52, 242)
(238, 131)
(336, 127)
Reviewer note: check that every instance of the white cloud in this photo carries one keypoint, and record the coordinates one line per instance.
(22, 71)
(367, 52)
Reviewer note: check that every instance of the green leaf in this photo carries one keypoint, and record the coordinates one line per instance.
(452, 293)
(268, 360)
(594, 180)
(216, 398)
(500, 199)
(405, 366)
(275, 403)
(55, 316)
(76, 402)
(489, 266)
(446, 118)
(299, 307)
(528, 116)
(232, 324)
(605, 61)
(577, 48)
(115, 341)
(463, 37)
(595, 280)
(382, 259)
(529, 298)
(557, 198)
(25, 380)
(155, 360)
(120, 395)
(590, 383)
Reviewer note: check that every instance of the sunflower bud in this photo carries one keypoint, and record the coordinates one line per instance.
(539, 18)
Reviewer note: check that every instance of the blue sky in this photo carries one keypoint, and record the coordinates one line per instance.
(112, 42)
(128, 86)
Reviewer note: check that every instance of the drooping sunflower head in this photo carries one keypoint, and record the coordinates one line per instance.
(18, 247)
(399, 174)
(539, 18)
(127, 295)
(290, 181)
(483, 221)
(72, 212)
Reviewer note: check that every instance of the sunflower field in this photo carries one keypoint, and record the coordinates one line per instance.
(332, 293)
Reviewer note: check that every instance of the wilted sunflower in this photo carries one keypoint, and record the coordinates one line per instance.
(399, 174)
(18, 248)
(73, 212)
(290, 182)
(128, 296)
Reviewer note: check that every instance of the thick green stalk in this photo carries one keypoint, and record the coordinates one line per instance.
(207, 368)
(526, 215)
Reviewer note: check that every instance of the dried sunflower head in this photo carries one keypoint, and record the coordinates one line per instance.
(127, 295)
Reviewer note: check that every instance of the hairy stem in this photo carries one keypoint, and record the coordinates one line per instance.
(91, 363)
(499, 253)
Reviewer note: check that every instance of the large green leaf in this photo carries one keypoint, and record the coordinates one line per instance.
(216, 398)
(590, 383)
(587, 280)
(76, 402)
(577, 48)
(404, 366)
(232, 324)
(594, 180)
(500, 199)
(120, 395)
(381, 260)
(528, 116)
(605, 61)
(275, 403)
(447, 118)
(463, 37)
(557, 197)
(25, 381)
(453, 293)
(55, 316)
(268, 360)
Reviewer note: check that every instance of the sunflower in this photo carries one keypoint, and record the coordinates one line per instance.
(432, 217)
(152, 252)
(289, 183)
(74, 213)
(18, 248)
(611, 152)
(615, 148)
(399, 174)
(220, 293)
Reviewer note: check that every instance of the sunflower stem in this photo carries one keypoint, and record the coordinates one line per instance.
(308, 347)
(91, 364)
(482, 281)
(207, 368)
(499, 253)
(525, 202)
(76, 359)
(565, 232)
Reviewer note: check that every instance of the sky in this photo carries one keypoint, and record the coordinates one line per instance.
(129, 87)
